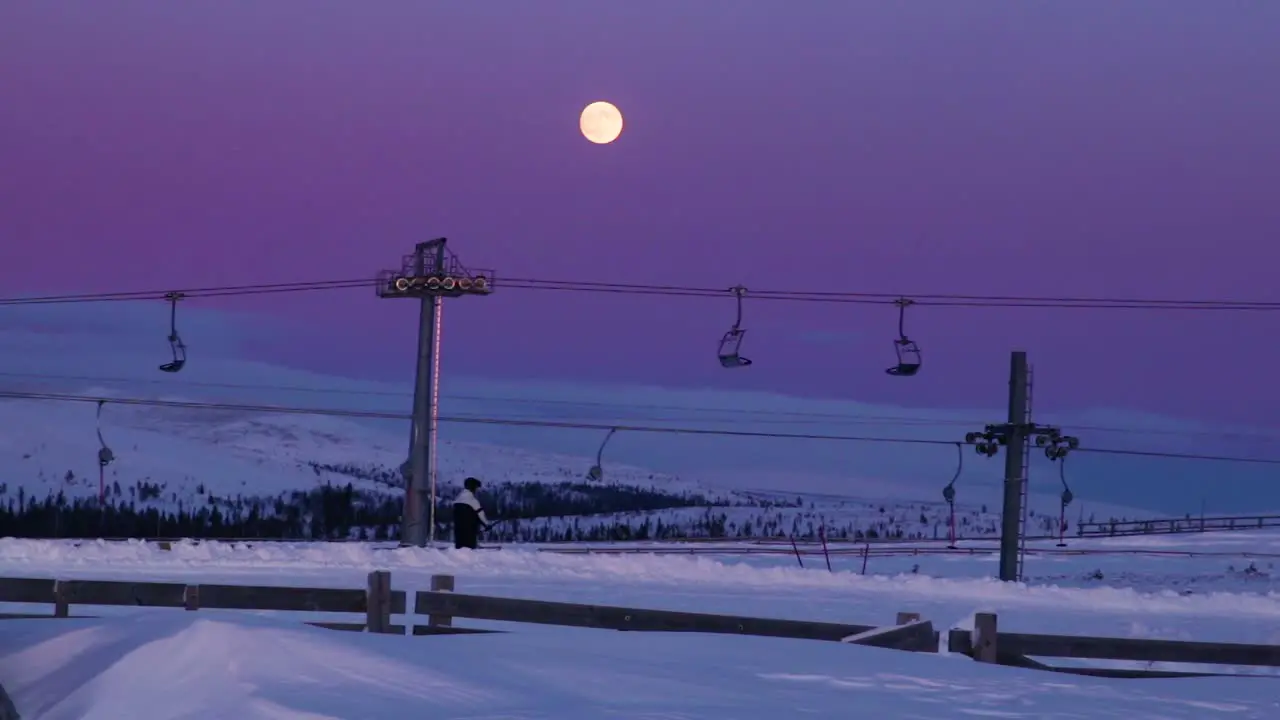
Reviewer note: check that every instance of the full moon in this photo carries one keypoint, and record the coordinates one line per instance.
(601, 122)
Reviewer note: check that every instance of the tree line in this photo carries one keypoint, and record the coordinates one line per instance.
(533, 512)
(327, 512)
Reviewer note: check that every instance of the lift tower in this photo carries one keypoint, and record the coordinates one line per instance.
(1015, 436)
(430, 274)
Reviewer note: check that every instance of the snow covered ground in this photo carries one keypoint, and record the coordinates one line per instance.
(215, 664)
(195, 667)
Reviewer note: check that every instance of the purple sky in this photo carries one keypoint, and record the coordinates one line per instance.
(1081, 148)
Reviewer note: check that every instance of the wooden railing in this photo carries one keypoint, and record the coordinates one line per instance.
(1176, 526)
(442, 605)
(985, 643)
(378, 602)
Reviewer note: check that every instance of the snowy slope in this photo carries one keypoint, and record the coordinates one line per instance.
(190, 455)
(233, 453)
(195, 454)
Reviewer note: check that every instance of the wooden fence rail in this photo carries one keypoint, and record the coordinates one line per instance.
(605, 617)
(442, 605)
(1176, 526)
(985, 643)
(378, 602)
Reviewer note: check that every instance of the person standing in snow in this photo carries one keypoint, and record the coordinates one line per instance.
(468, 516)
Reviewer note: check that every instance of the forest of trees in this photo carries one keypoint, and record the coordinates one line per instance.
(340, 512)
(539, 512)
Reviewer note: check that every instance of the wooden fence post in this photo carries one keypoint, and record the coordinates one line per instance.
(61, 606)
(191, 597)
(984, 637)
(441, 583)
(378, 603)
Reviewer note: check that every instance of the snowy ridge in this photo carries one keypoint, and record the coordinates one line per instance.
(233, 453)
(170, 458)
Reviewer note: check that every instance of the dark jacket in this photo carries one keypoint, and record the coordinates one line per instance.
(468, 518)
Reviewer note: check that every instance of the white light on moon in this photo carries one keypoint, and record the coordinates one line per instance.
(601, 122)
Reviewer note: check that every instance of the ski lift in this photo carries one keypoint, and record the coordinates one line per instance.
(1060, 457)
(176, 346)
(949, 494)
(105, 456)
(596, 473)
(731, 343)
(984, 443)
(907, 350)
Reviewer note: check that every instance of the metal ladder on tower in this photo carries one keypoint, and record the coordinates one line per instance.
(1025, 482)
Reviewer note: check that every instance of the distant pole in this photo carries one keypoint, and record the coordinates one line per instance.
(1015, 454)
(431, 274)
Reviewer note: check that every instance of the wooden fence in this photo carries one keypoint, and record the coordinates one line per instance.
(1176, 526)
(985, 643)
(378, 602)
(442, 605)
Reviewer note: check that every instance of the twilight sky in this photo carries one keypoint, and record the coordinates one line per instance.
(1068, 148)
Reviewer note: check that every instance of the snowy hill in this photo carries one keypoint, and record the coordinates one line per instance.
(231, 453)
(171, 459)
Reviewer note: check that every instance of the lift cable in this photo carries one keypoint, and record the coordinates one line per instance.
(811, 296)
(515, 422)
(730, 414)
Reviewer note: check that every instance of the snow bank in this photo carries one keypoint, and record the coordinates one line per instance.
(162, 666)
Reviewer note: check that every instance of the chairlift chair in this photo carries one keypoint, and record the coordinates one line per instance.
(1059, 455)
(596, 473)
(176, 346)
(105, 456)
(949, 494)
(907, 350)
(731, 344)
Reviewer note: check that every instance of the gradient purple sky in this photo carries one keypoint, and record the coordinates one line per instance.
(1065, 148)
